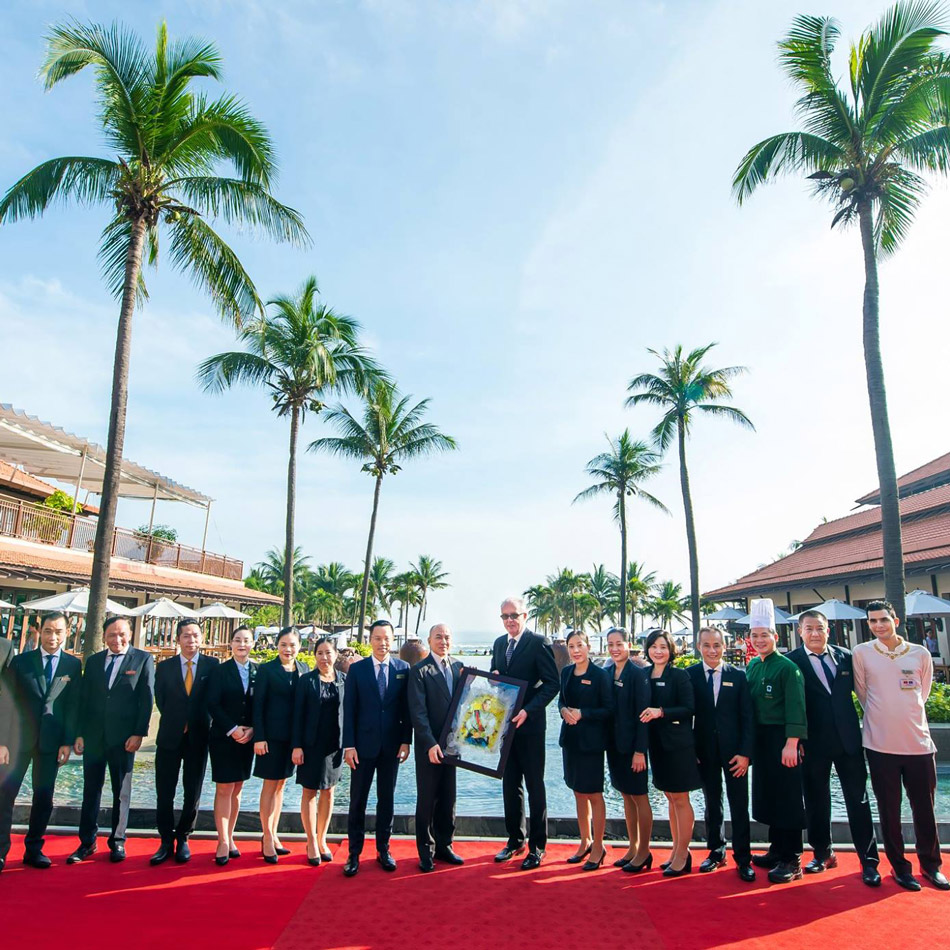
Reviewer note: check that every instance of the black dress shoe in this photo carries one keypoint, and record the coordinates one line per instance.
(448, 855)
(594, 865)
(817, 865)
(234, 853)
(426, 863)
(269, 858)
(326, 856)
(937, 878)
(182, 852)
(631, 868)
(314, 862)
(81, 853)
(577, 858)
(532, 860)
(622, 862)
(3, 863)
(164, 852)
(871, 876)
(746, 873)
(685, 869)
(117, 854)
(386, 861)
(222, 860)
(37, 860)
(907, 881)
(713, 862)
(282, 851)
(767, 860)
(507, 853)
(352, 865)
(786, 871)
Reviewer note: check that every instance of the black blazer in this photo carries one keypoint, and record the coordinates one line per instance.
(596, 706)
(533, 662)
(372, 726)
(108, 717)
(274, 701)
(831, 715)
(674, 695)
(179, 709)
(43, 720)
(631, 692)
(429, 701)
(728, 728)
(308, 708)
(228, 704)
(6, 682)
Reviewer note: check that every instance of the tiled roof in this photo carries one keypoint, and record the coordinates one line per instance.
(930, 472)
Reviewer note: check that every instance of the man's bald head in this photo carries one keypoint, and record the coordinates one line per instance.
(440, 640)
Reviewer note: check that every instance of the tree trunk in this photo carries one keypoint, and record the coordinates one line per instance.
(883, 448)
(105, 525)
(623, 561)
(422, 607)
(690, 534)
(369, 556)
(288, 612)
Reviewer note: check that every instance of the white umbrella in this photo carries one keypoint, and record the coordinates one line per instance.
(74, 602)
(163, 608)
(218, 609)
(6, 605)
(727, 613)
(921, 604)
(781, 618)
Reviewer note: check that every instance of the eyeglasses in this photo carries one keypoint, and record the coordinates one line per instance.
(511, 616)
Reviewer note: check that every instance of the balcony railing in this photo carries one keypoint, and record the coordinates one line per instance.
(23, 519)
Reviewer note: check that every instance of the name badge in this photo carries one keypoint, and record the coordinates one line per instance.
(768, 692)
(726, 683)
(618, 682)
(908, 680)
(400, 676)
(661, 683)
(585, 682)
(844, 673)
(539, 684)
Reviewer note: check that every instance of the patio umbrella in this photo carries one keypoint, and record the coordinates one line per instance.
(781, 618)
(163, 608)
(726, 613)
(921, 604)
(218, 609)
(6, 605)
(74, 602)
(839, 610)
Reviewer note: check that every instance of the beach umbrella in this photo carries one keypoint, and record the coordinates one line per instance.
(728, 613)
(74, 602)
(218, 609)
(161, 609)
(838, 610)
(6, 605)
(921, 604)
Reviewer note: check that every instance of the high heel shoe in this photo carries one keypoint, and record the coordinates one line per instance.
(632, 868)
(326, 855)
(313, 862)
(221, 859)
(594, 865)
(233, 853)
(622, 862)
(685, 869)
(577, 858)
(282, 851)
(268, 858)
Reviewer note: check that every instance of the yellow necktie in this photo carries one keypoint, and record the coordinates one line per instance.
(189, 678)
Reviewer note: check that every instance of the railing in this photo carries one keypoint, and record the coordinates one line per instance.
(31, 522)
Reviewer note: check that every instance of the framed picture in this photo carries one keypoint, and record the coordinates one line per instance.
(478, 732)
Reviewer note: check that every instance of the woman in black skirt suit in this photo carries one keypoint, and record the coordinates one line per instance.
(317, 749)
(585, 706)
(273, 723)
(672, 750)
(230, 701)
(627, 751)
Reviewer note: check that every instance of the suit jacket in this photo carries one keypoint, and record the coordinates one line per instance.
(595, 704)
(108, 717)
(533, 662)
(830, 715)
(631, 692)
(371, 725)
(429, 700)
(44, 719)
(6, 682)
(728, 728)
(308, 708)
(179, 709)
(228, 704)
(274, 701)
(674, 695)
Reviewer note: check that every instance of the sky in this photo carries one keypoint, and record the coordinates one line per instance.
(516, 199)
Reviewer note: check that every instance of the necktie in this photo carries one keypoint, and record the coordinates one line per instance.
(113, 659)
(49, 670)
(189, 677)
(712, 688)
(447, 673)
(828, 671)
(381, 680)
(510, 650)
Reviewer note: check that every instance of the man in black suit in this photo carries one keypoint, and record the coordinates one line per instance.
(834, 738)
(115, 704)
(432, 682)
(376, 736)
(38, 727)
(724, 728)
(181, 746)
(525, 656)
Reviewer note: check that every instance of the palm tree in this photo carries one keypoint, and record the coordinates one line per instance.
(301, 352)
(684, 387)
(405, 590)
(605, 589)
(380, 584)
(669, 603)
(566, 585)
(863, 146)
(542, 607)
(430, 577)
(273, 571)
(392, 432)
(621, 472)
(168, 144)
(640, 584)
(334, 578)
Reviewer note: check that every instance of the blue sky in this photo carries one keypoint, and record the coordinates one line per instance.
(516, 198)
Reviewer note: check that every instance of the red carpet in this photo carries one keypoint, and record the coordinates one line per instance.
(249, 905)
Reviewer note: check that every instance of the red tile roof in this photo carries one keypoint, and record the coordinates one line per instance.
(930, 472)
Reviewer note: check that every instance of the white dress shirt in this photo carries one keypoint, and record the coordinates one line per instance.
(184, 665)
(815, 659)
(55, 656)
(377, 665)
(717, 679)
(115, 665)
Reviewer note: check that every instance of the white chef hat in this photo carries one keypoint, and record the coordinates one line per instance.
(762, 614)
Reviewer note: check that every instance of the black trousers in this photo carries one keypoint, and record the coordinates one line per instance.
(45, 769)
(712, 771)
(119, 763)
(526, 764)
(435, 805)
(386, 769)
(190, 758)
(918, 774)
(816, 786)
(786, 844)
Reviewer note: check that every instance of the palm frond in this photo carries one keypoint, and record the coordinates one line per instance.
(82, 179)
(783, 154)
(224, 370)
(896, 208)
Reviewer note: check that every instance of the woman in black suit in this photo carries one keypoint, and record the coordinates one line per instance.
(585, 705)
(627, 751)
(672, 750)
(273, 722)
(317, 746)
(230, 699)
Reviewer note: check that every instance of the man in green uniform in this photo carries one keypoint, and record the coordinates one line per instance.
(778, 696)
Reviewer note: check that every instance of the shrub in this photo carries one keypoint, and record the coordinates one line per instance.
(265, 656)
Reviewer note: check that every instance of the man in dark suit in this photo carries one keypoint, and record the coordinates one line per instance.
(525, 656)
(834, 738)
(115, 704)
(181, 687)
(376, 736)
(432, 682)
(38, 727)
(724, 728)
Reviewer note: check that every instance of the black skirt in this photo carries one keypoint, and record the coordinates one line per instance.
(230, 760)
(673, 770)
(583, 771)
(277, 763)
(319, 770)
(776, 790)
(622, 776)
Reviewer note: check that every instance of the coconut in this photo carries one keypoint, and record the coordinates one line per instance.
(847, 184)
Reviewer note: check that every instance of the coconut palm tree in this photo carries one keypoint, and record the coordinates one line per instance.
(333, 578)
(620, 472)
(684, 388)
(273, 571)
(640, 585)
(430, 576)
(405, 591)
(566, 585)
(167, 146)
(864, 146)
(543, 607)
(668, 604)
(380, 584)
(391, 432)
(605, 589)
(301, 352)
